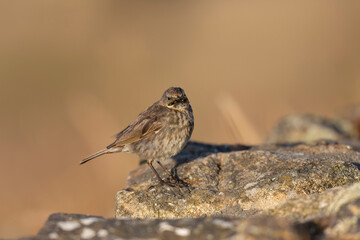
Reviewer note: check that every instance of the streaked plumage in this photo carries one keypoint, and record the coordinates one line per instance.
(159, 132)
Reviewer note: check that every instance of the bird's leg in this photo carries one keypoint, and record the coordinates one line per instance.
(179, 181)
(162, 182)
(149, 161)
(167, 171)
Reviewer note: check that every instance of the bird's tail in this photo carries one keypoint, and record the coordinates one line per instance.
(97, 154)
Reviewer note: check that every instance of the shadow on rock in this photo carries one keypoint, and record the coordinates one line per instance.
(192, 151)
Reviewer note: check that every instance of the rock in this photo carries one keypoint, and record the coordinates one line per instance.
(329, 215)
(309, 128)
(304, 207)
(275, 191)
(238, 183)
(193, 150)
(76, 226)
(342, 216)
(335, 212)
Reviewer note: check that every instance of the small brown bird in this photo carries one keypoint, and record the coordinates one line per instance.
(159, 132)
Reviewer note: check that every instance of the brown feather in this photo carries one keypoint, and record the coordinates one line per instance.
(95, 155)
(145, 126)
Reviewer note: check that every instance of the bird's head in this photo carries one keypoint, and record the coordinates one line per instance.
(175, 98)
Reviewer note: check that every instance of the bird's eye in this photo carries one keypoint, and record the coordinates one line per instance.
(169, 98)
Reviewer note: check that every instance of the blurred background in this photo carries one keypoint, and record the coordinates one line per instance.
(74, 73)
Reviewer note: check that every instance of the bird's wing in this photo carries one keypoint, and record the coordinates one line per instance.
(144, 127)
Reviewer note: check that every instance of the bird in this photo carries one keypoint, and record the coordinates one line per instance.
(159, 132)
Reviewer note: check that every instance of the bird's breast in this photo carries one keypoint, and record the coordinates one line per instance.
(168, 141)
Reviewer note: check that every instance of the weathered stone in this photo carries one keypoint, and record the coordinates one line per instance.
(342, 217)
(239, 183)
(275, 191)
(304, 207)
(75, 226)
(335, 213)
(308, 128)
(329, 215)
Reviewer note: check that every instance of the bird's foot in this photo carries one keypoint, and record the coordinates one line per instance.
(179, 182)
(174, 179)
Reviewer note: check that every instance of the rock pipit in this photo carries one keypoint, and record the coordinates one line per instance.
(159, 132)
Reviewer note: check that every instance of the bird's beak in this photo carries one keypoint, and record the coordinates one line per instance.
(179, 100)
(184, 99)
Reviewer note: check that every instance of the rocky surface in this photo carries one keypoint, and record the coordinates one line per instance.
(332, 214)
(75, 226)
(272, 191)
(239, 183)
